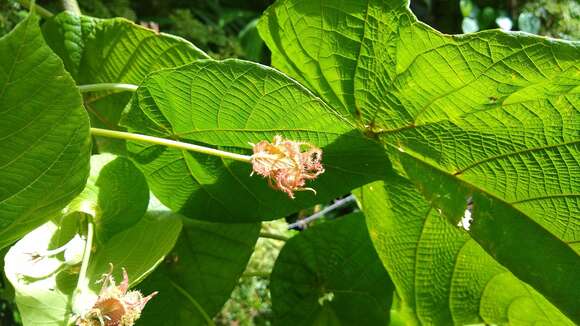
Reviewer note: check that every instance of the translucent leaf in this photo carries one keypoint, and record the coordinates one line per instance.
(330, 275)
(44, 133)
(116, 195)
(43, 283)
(495, 112)
(444, 277)
(230, 104)
(138, 249)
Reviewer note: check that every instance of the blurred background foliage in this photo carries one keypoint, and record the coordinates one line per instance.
(250, 303)
(227, 28)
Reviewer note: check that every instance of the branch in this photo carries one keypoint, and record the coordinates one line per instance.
(337, 204)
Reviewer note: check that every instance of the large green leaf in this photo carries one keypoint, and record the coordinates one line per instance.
(138, 249)
(44, 133)
(442, 275)
(230, 104)
(509, 235)
(496, 113)
(113, 51)
(127, 233)
(197, 278)
(331, 275)
(116, 195)
(327, 46)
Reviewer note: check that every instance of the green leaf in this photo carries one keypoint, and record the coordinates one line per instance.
(116, 195)
(536, 255)
(43, 283)
(251, 42)
(44, 133)
(138, 249)
(43, 267)
(230, 104)
(113, 51)
(328, 47)
(331, 275)
(198, 276)
(495, 112)
(442, 275)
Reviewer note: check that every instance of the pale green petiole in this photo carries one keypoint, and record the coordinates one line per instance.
(83, 298)
(36, 8)
(107, 87)
(82, 283)
(169, 143)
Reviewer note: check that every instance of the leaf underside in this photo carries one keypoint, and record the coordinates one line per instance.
(491, 115)
(443, 276)
(44, 133)
(230, 104)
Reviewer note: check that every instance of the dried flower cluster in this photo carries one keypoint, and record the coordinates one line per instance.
(286, 165)
(115, 306)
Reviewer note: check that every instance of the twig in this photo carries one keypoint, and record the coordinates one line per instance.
(337, 204)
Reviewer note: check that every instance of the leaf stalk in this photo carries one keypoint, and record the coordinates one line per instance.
(41, 11)
(170, 143)
(107, 87)
(82, 283)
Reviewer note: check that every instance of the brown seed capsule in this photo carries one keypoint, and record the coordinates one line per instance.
(115, 306)
(286, 165)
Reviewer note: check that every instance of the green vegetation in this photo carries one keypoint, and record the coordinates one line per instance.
(171, 157)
